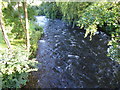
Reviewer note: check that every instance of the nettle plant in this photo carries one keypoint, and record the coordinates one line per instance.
(15, 68)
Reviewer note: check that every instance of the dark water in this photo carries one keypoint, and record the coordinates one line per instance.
(68, 60)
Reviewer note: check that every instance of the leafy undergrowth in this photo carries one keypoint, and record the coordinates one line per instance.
(15, 68)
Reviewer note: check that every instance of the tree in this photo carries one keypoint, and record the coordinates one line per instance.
(26, 26)
(3, 29)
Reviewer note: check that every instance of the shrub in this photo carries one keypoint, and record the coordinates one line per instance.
(50, 10)
(72, 10)
(15, 68)
(114, 49)
(35, 34)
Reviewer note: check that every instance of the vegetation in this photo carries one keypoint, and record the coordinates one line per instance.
(72, 11)
(16, 22)
(18, 32)
(50, 10)
(15, 68)
(35, 34)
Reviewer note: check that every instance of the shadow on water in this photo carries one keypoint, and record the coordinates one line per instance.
(71, 61)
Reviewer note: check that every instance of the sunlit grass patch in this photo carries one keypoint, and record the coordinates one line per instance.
(2, 45)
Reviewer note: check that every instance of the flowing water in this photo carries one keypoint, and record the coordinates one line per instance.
(68, 60)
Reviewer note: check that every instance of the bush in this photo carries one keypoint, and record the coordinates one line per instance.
(35, 34)
(72, 10)
(50, 10)
(114, 49)
(100, 14)
(15, 68)
(14, 18)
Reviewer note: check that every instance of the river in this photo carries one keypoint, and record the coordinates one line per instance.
(68, 60)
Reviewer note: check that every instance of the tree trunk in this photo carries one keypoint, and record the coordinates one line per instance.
(21, 21)
(26, 26)
(3, 29)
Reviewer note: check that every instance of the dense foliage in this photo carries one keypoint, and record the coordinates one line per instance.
(15, 68)
(15, 65)
(50, 10)
(72, 11)
(14, 17)
(35, 34)
(100, 15)
(67, 11)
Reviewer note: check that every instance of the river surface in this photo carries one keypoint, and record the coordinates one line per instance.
(68, 60)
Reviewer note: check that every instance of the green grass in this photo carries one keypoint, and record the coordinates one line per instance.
(14, 44)
(18, 42)
(2, 45)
